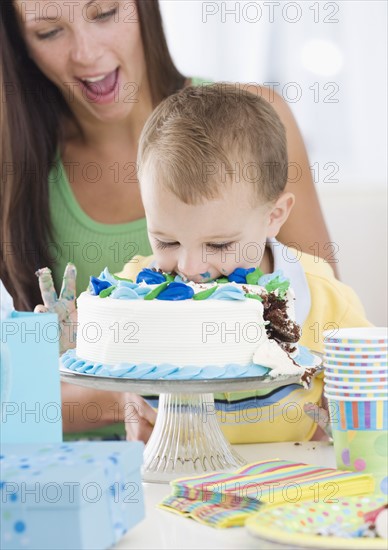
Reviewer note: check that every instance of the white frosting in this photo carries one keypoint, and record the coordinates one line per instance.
(183, 333)
(271, 355)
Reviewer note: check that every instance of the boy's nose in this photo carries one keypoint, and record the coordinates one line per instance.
(191, 266)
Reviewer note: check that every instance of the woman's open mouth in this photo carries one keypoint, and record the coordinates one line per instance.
(101, 88)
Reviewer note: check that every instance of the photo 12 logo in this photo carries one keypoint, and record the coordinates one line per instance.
(232, 332)
(67, 492)
(270, 12)
(91, 12)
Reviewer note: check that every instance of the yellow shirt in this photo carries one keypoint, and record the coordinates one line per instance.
(247, 417)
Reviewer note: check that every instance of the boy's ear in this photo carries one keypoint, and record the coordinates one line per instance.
(279, 213)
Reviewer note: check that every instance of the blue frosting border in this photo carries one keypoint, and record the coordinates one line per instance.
(70, 361)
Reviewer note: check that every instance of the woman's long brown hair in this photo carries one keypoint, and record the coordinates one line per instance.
(31, 112)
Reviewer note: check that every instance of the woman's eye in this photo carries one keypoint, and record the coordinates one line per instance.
(106, 15)
(100, 17)
(162, 245)
(220, 246)
(46, 35)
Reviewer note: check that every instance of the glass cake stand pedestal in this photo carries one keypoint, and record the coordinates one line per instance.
(187, 438)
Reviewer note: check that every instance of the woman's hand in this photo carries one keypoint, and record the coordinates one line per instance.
(139, 418)
(64, 306)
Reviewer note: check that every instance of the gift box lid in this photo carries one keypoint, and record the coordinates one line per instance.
(68, 474)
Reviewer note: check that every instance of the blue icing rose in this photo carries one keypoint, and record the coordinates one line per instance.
(126, 284)
(227, 292)
(150, 277)
(239, 275)
(107, 276)
(124, 293)
(176, 291)
(142, 290)
(97, 285)
(265, 279)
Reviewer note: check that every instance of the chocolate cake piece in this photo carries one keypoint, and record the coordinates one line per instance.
(280, 327)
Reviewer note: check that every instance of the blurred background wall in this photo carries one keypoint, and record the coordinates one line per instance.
(328, 60)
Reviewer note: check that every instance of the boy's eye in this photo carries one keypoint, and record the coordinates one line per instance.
(220, 246)
(162, 245)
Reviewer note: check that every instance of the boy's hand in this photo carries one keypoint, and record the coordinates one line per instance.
(320, 415)
(139, 418)
(64, 306)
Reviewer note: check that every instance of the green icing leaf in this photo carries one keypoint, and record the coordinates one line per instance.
(253, 277)
(254, 296)
(205, 293)
(282, 293)
(122, 279)
(222, 280)
(282, 286)
(107, 291)
(272, 284)
(169, 277)
(152, 295)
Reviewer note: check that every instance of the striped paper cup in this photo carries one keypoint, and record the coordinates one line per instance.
(356, 395)
(355, 350)
(348, 398)
(333, 360)
(365, 378)
(348, 356)
(359, 387)
(380, 389)
(367, 367)
(336, 380)
(356, 370)
(364, 336)
(348, 414)
(359, 369)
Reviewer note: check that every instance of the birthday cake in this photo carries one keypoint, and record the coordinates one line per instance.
(161, 326)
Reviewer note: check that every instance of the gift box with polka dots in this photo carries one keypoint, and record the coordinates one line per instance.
(81, 495)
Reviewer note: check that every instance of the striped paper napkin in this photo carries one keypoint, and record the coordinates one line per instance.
(228, 499)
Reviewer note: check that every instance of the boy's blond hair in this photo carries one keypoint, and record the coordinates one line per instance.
(204, 137)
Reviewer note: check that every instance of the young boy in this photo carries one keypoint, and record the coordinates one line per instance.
(212, 172)
(213, 169)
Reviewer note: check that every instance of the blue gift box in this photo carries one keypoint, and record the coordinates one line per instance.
(82, 495)
(30, 396)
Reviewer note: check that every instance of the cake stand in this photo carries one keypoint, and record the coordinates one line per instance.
(187, 438)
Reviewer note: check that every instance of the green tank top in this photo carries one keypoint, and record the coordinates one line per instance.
(90, 245)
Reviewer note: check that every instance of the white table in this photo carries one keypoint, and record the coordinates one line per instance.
(165, 530)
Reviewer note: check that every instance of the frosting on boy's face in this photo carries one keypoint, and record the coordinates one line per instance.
(204, 241)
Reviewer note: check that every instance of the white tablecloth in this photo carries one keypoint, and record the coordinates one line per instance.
(165, 530)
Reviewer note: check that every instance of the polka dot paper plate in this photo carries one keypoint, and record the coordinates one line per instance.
(300, 524)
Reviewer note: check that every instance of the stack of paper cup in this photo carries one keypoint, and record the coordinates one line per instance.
(356, 386)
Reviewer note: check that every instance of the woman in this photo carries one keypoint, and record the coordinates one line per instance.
(79, 82)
